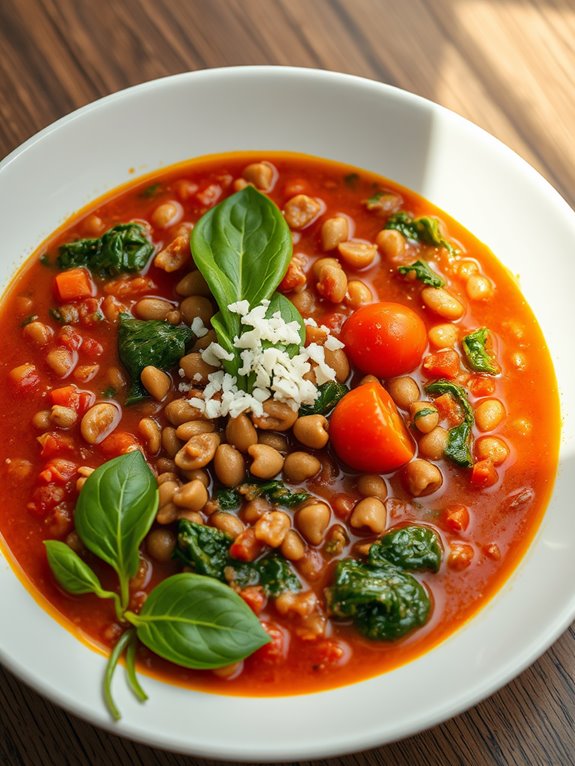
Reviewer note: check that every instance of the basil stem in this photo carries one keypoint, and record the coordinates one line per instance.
(133, 682)
(113, 660)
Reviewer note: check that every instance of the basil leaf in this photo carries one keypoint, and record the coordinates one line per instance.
(114, 512)
(73, 574)
(149, 342)
(458, 448)
(424, 229)
(423, 272)
(198, 622)
(475, 349)
(123, 248)
(328, 396)
(289, 313)
(412, 548)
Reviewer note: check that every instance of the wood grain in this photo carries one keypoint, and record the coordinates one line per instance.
(508, 65)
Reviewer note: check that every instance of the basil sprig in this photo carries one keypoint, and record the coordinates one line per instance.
(188, 619)
(242, 248)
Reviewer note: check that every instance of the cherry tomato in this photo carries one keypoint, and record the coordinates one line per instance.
(384, 339)
(367, 431)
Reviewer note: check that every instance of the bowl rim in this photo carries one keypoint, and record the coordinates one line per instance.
(492, 681)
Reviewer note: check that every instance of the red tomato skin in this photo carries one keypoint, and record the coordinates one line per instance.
(384, 339)
(367, 431)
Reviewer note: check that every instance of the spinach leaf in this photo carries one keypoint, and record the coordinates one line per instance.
(198, 622)
(475, 350)
(273, 573)
(114, 512)
(383, 602)
(423, 272)
(73, 574)
(228, 499)
(458, 448)
(123, 248)
(149, 342)
(276, 492)
(328, 396)
(205, 549)
(411, 548)
(424, 229)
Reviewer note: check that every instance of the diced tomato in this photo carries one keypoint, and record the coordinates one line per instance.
(45, 499)
(74, 284)
(73, 397)
(185, 189)
(294, 277)
(128, 286)
(456, 518)
(448, 409)
(492, 551)
(246, 547)
(277, 650)
(118, 443)
(460, 556)
(90, 312)
(481, 385)
(54, 443)
(58, 471)
(210, 195)
(92, 349)
(443, 364)
(255, 598)
(484, 474)
(367, 432)
(24, 378)
(70, 338)
(328, 652)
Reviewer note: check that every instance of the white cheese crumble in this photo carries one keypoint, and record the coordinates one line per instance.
(276, 374)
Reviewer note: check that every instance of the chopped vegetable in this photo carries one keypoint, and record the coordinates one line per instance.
(204, 549)
(273, 573)
(424, 229)
(475, 350)
(276, 492)
(123, 248)
(73, 284)
(458, 448)
(412, 548)
(423, 272)
(328, 396)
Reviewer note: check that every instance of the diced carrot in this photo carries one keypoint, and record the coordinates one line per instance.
(254, 597)
(481, 385)
(484, 473)
(246, 547)
(74, 284)
(456, 518)
(443, 364)
(119, 443)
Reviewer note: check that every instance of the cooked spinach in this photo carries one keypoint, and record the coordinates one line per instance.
(458, 448)
(149, 342)
(351, 180)
(228, 499)
(424, 229)
(328, 396)
(122, 249)
(204, 549)
(383, 602)
(412, 548)
(276, 492)
(423, 272)
(151, 191)
(475, 350)
(273, 573)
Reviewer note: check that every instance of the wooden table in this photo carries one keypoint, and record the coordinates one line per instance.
(508, 65)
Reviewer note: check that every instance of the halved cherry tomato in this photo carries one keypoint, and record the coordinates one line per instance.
(384, 339)
(367, 431)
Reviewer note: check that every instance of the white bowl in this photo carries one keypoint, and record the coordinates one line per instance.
(466, 172)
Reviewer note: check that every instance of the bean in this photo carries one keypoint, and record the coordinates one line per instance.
(292, 547)
(197, 452)
(193, 428)
(358, 294)
(493, 448)
(277, 416)
(99, 422)
(84, 373)
(180, 411)
(41, 420)
(323, 263)
(404, 391)
(166, 491)
(357, 255)
(240, 433)
(160, 544)
(167, 513)
(422, 477)
(298, 604)
(192, 495)
(312, 430)
(479, 288)
(39, 333)
(61, 361)
(312, 521)
(433, 444)
(424, 423)
(338, 361)
(228, 523)
(466, 269)
(255, 509)
(115, 378)
(170, 442)
(193, 284)
(156, 382)
(369, 379)
(167, 476)
(197, 306)
(372, 485)
(202, 343)
(304, 302)
(152, 308)
(299, 466)
(195, 369)
(152, 434)
(391, 243)
(112, 308)
(301, 210)
(488, 414)
(193, 516)
(267, 461)
(165, 465)
(370, 513)
(261, 175)
(277, 441)
(272, 527)
(334, 231)
(443, 335)
(198, 475)
(442, 303)
(167, 214)
(63, 417)
(229, 465)
(332, 284)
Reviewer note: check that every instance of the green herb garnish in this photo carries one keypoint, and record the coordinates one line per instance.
(412, 548)
(475, 349)
(328, 396)
(424, 229)
(423, 272)
(458, 448)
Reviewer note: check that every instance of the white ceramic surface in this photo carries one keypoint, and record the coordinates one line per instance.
(457, 166)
